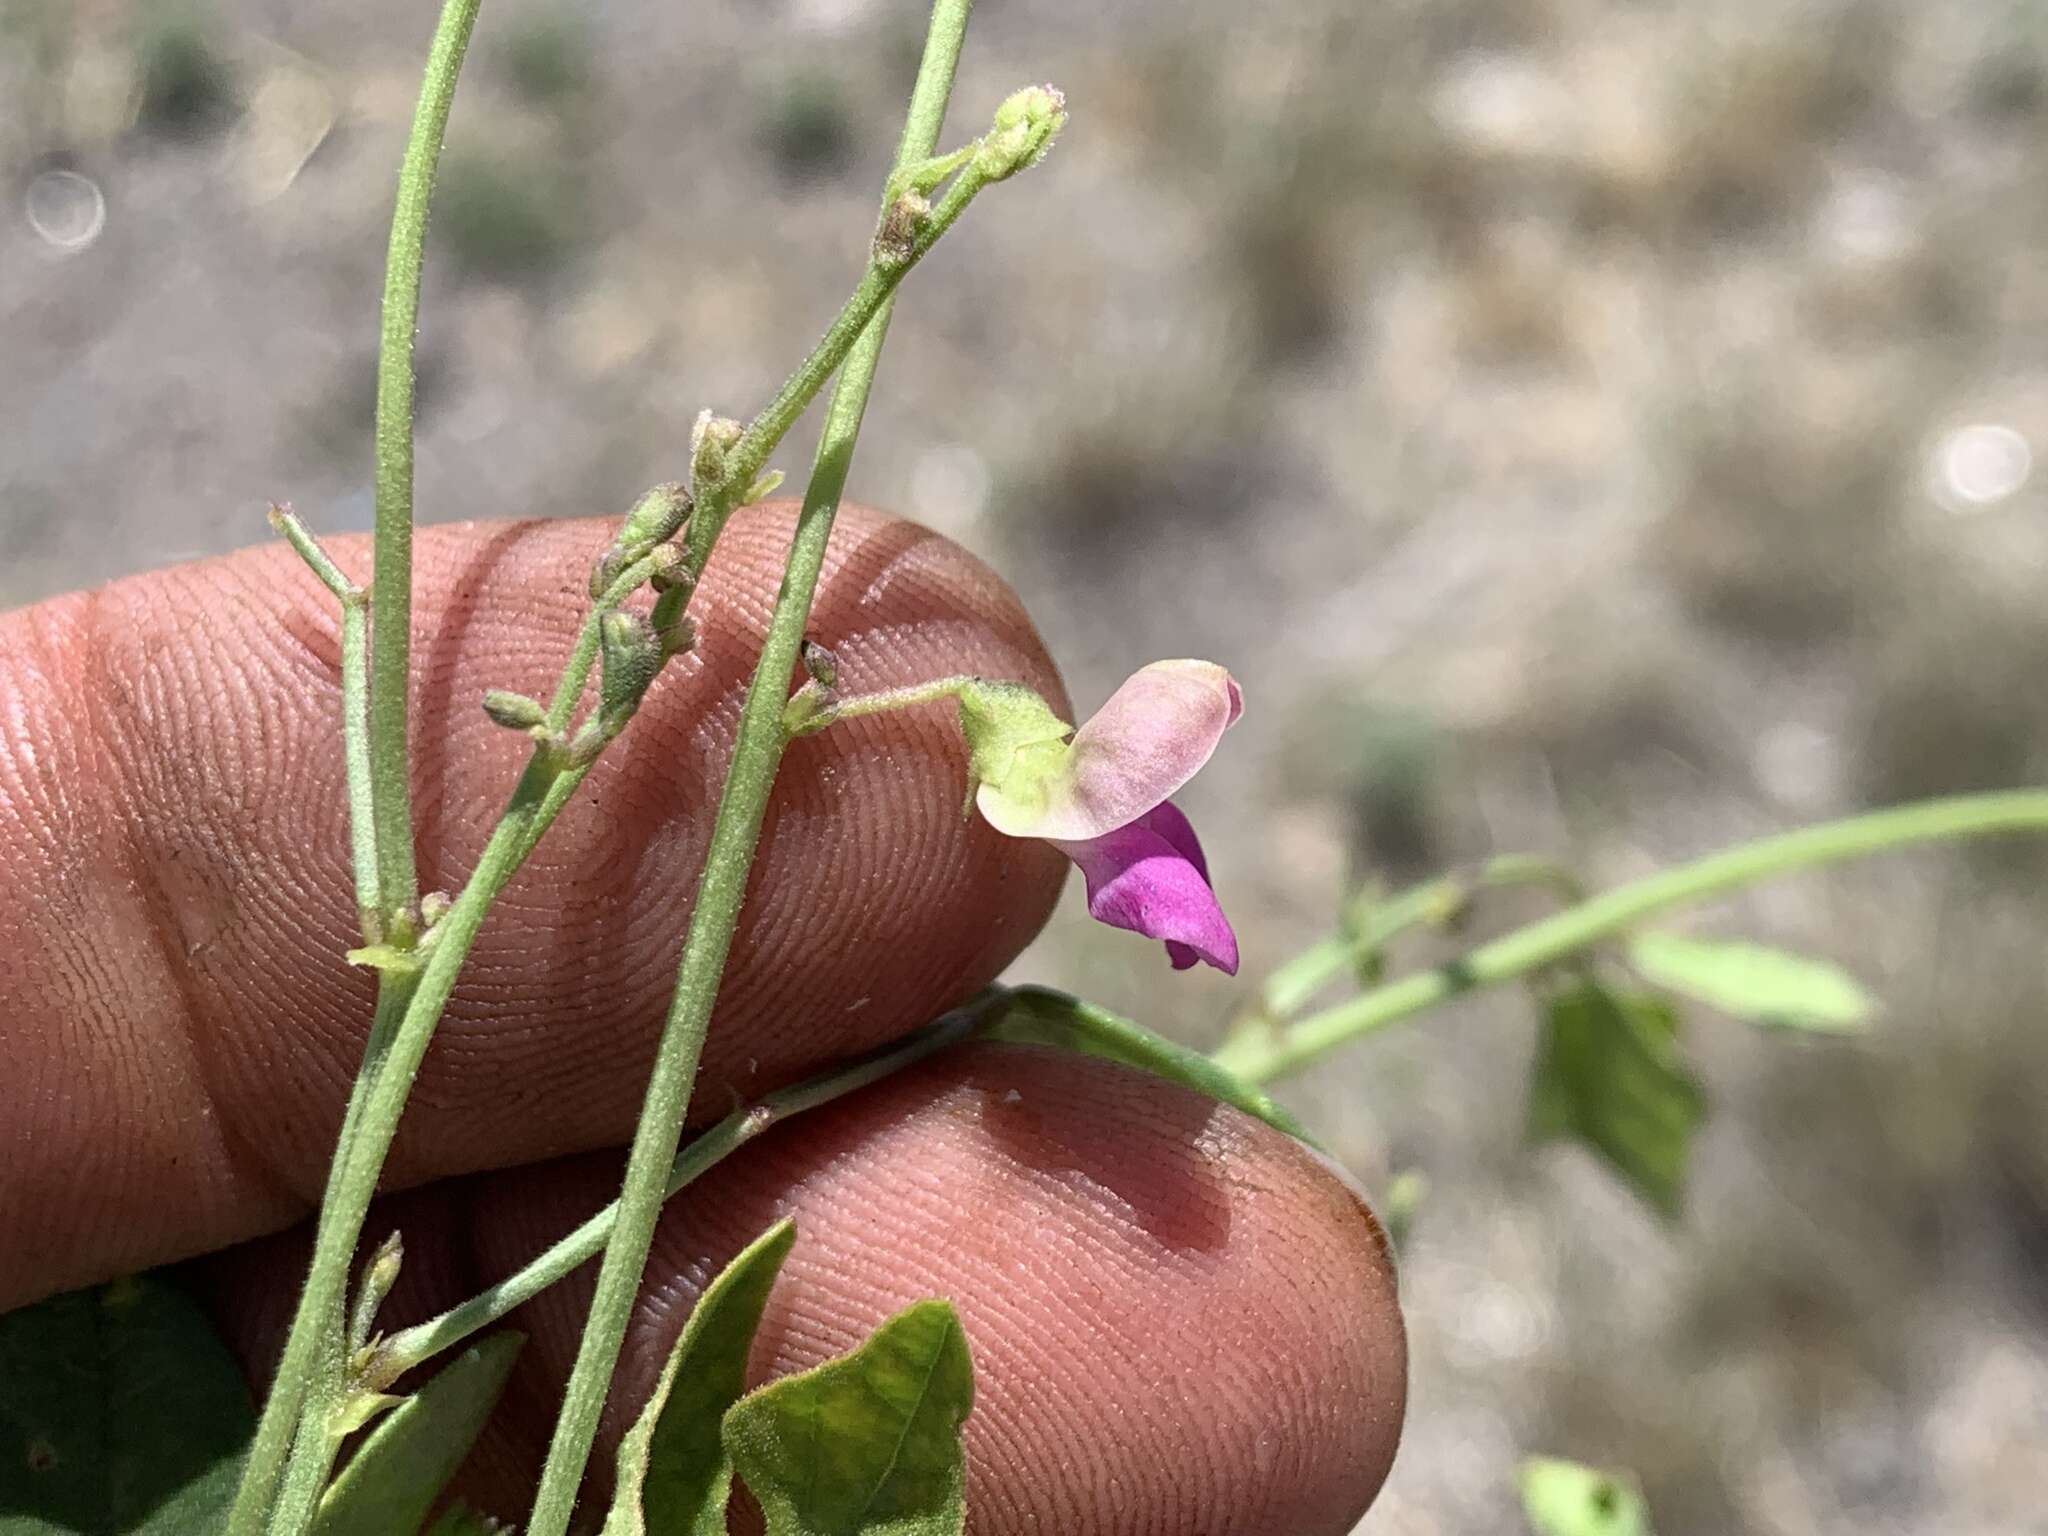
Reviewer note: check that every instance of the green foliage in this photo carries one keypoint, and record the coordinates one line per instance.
(1754, 982)
(546, 56)
(121, 1414)
(1562, 1498)
(393, 1479)
(1609, 1074)
(808, 129)
(674, 1471)
(186, 87)
(1045, 1017)
(503, 220)
(868, 1444)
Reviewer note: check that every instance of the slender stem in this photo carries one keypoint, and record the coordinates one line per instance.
(413, 1346)
(355, 718)
(862, 314)
(1290, 986)
(524, 824)
(406, 1012)
(391, 575)
(1260, 1058)
(908, 696)
(757, 753)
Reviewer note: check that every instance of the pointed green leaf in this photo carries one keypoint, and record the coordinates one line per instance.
(395, 1476)
(1562, 1498)
(1609, 1073)
(1042, 1016)
(121, 1414)
(1755, 982)
(868, 1444)
(674, 1473)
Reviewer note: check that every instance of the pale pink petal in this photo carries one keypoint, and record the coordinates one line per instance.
(1150, 878)
(1149, 739)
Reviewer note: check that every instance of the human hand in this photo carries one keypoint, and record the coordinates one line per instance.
(1181, 1321)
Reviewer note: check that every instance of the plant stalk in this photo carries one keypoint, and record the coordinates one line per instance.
(1260, 1056)
(757, 753)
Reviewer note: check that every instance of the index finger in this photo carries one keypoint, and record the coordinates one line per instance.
(180, 1025)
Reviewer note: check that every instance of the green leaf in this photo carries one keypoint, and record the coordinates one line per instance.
(1045, 1017)
(1754, 982)
(868, 1444)
(121, 1414)
(674, 1472)
(1562, 1498)
(1609, 1073)
(395, 1476)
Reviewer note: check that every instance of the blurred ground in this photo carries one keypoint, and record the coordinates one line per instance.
(1591, 427)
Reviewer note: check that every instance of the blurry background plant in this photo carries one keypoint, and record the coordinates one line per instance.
(1596, 428)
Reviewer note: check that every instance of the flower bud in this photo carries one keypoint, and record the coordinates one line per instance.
(514, 711)
(657, 517)
(1022, 132)
(671, 568)
(631, 657)
(711, 440)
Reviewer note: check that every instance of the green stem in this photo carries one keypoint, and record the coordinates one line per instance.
(413, 1346)
(306, 1386)
(857, 319)
(355, 718)
(391, 574)
(1260, 1057)
(757, 752)
(1290, 986)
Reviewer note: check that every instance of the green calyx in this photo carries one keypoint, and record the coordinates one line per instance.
(1016, 745)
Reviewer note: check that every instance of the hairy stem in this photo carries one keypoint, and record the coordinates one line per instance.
(391, 575)
(1291, 986)
(1261, 1056)
(757, 752)
(413, 1346)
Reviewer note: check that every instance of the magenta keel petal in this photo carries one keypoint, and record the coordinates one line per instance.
(1146, 882)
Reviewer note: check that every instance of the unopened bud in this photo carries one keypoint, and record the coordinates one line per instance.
(668, 566)
(711, 439)
(609, 567)
(657, 517)
(434, 906)
(631, 656)
(821, 665)
(514, 711)
(1022, 132)
(379, 1276)
(382, 1273)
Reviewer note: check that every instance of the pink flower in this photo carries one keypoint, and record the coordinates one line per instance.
(1101, 798)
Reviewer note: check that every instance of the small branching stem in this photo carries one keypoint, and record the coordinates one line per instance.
(413, 1346)
(1259, 1055)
